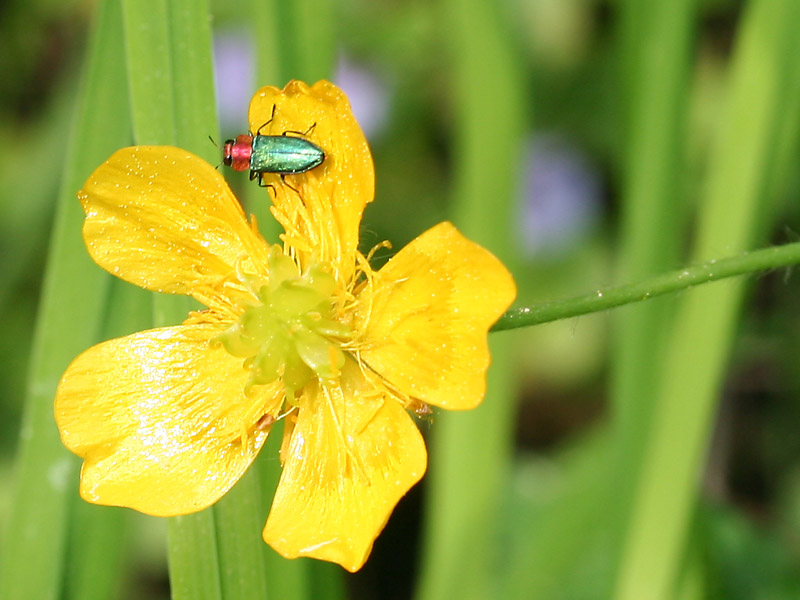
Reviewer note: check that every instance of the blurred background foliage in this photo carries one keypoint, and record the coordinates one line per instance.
(556, 532)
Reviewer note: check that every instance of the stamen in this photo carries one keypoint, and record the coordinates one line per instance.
(384, 244)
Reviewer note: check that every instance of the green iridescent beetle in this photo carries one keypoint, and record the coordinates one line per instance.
(282, 154)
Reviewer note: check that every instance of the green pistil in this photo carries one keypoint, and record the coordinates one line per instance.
(291, 334)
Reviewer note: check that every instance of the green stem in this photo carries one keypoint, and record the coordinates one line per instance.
(674, 281)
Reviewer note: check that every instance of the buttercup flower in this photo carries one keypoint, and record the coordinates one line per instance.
(168, 420)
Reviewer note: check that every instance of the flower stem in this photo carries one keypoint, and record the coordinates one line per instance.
(674, 281)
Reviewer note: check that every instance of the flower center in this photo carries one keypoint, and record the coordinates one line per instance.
(291, 333)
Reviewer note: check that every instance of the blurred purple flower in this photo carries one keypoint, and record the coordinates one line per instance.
(234, 67)
(233, 77)
(368, 95)
(561, 196)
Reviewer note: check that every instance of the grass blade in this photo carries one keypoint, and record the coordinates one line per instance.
(658, 39)
(470, 452)
(34, 549)
(150, 77)
(162, 53)
(195, 111)
(98, 550)
(763, 101)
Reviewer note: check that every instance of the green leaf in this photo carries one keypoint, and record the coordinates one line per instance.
(171, 82)
(150, 76)
(69, 321)
(761, 110)
(470, 452)
(98, 548)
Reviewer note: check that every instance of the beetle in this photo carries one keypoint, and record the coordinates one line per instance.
(282, 154)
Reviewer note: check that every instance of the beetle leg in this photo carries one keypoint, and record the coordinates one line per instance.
(302, 134)
(271, 118)
(291, 187)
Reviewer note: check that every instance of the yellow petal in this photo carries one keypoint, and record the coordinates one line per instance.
(322, 221)
(161, 420)
(426, 316)
(164, 219)
(351, 456)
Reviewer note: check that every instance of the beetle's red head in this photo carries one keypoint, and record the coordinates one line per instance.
(236, 153)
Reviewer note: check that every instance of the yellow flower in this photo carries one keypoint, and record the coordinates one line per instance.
(168, 420)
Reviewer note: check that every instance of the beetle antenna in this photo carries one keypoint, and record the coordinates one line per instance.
(211, 139)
